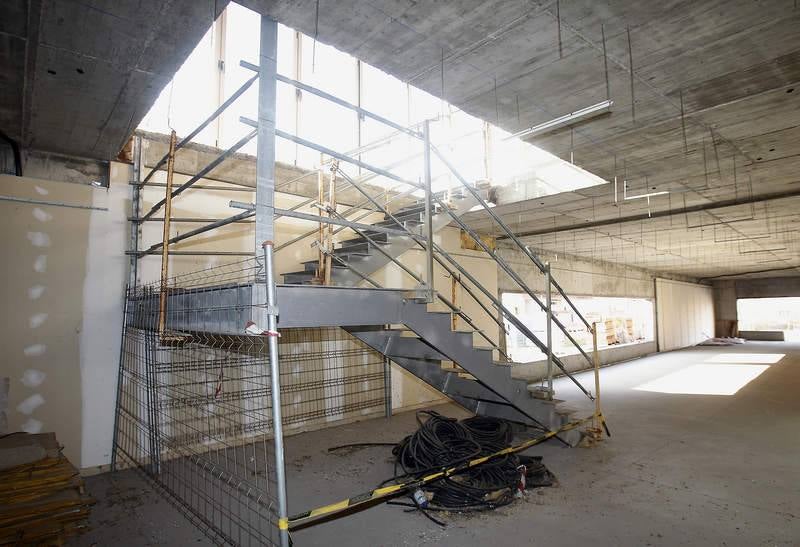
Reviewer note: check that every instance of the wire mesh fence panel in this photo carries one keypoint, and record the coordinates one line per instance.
(194, 407)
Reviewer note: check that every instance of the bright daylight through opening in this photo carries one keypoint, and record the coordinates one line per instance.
(483, 151)
(720, 374)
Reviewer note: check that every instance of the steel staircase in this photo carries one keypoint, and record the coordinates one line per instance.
(424, 343)
(394, 322)
(427, 345)
(358, 257)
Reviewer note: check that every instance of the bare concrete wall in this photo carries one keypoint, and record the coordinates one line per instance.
(578, 276)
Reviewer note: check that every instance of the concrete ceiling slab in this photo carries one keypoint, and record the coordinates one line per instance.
(705, 109)
(78, 76)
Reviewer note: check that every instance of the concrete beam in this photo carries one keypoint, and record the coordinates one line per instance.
(658, 214)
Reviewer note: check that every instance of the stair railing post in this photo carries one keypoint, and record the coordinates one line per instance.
(387, 385)
(426, 135)
(549, 294)
(596, 359)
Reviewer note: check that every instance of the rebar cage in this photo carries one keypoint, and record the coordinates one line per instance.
(194, 407)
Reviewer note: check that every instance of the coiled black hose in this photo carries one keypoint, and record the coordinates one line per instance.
(441, 442)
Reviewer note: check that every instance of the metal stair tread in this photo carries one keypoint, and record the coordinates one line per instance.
(334, 264)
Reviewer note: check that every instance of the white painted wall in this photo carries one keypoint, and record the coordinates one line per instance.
(684, 313)
(103, 293)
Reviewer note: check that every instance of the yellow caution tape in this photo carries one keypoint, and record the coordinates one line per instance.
(391, 490)
(283, 524)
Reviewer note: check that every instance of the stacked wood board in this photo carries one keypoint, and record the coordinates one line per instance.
(42, 496)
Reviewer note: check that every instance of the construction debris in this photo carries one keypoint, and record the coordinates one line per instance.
(725, 341)
(42, 496)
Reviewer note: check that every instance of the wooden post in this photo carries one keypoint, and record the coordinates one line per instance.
(329, 237)
(321, 235)
(162, 309)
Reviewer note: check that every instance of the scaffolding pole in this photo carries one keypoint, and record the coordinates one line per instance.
(133, 269)
(264, 305)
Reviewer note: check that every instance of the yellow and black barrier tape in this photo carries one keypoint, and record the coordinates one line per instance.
(394, 489)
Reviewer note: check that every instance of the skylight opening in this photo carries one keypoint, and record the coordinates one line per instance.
(479, 150)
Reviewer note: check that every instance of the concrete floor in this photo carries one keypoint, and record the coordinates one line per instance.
(680, 469)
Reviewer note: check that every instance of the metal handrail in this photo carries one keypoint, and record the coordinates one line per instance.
(432, 249)
(511, 235)
(502, 263)
(527, 252)
(453, 308)
(505, 311)
(387, 213)
(396, 261)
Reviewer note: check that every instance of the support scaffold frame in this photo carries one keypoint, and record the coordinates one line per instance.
(203, 411)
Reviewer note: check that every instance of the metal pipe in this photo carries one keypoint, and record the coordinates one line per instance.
(502, 262)
(387, 386)
(185, 220)
(204, 171)
(184, 141)
(452, 306)
(201, 229)
(513, 237)
(52, 203)
(549, 331)
(336, 100)
(162, 306)
(426, 132)
(566, 298)
(264, 236)
(345, 223)
(275, 388)
(218, 223)
(233, 188)
(511, 317)
(663, 213)
(596, 363)
(339, 156)
(194, 253)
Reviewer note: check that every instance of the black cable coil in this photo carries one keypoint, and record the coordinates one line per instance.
(441, 442)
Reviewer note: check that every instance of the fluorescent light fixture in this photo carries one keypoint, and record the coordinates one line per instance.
(567, 119)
